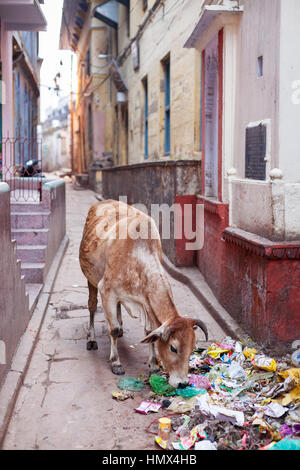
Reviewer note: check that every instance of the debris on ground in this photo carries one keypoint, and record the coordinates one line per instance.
(238, 398)
(147, 406)
(164, 428)
(121, 396)
(131, 383)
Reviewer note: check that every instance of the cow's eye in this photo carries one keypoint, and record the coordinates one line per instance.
(174, 350)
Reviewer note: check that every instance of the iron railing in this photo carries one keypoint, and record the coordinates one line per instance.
(21, 168)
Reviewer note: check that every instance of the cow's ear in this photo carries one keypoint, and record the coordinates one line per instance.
(162, 332)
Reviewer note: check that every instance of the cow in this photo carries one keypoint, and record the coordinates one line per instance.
(121, 256)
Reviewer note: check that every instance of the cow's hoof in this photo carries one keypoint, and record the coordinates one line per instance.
(120, 334)
(91, 345)
(118, 370)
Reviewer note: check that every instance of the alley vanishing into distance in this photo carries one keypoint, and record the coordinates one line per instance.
(66, 400)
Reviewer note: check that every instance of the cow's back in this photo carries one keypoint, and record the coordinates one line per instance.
(111, 234)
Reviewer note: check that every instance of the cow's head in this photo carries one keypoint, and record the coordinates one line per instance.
(175, 342)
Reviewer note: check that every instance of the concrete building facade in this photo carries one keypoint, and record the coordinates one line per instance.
(56, 133)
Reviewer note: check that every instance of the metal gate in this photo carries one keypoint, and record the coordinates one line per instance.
(21, 168)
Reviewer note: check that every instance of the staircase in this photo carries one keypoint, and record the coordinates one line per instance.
(30, 228)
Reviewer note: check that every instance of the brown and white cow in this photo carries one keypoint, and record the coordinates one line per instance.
(120, 254)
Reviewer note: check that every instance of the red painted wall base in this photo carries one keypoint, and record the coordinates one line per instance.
(256, 280)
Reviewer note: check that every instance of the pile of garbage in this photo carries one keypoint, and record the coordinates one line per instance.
(237, 398)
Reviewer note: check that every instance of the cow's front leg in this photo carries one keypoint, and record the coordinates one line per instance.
(110, 307)
(116, 365)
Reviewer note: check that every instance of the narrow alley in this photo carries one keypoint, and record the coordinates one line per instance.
(181, 116)
(66, 399)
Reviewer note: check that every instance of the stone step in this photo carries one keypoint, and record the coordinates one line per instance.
(26, 207)
(33, 272)
(37, 236)
(32, 253)
(30, 219)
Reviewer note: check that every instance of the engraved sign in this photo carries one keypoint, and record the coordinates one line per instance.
(256, 152)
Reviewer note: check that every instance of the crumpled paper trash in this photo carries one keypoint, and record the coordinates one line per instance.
(292, 380)
(219, 412)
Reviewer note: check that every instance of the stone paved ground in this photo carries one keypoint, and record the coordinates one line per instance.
(65, 401)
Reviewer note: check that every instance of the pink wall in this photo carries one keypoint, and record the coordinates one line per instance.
(7, 77)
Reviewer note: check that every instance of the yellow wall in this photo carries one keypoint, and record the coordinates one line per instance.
(94, 90)
(165, 34)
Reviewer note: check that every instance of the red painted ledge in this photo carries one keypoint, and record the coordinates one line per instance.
(213, 206)
(262, 246)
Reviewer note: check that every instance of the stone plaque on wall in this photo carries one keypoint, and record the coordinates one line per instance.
(255, 167)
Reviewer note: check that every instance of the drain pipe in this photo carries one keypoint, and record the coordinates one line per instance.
(231, 174)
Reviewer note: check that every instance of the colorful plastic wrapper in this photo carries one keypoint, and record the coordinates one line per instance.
(147, 406)
(121, 396)
(214, 350)
(291, 430)
(200, 381)
(249, 353)
(161, 442)
(183, 405)
(263, 362)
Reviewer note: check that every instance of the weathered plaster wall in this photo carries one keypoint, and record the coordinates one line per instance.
(54, 200)
(165, 35)
(156, 183)
(257, 97)
(14, 303)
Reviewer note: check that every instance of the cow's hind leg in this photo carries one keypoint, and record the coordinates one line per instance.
(120, 321)
(112, 312)
(92, 304)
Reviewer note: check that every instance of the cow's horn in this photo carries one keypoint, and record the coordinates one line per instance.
(203, 327)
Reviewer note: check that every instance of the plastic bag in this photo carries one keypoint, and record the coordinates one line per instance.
(292, 430)
(200, 381)
(160, 386)
(215, 350)
(296, 357)
(205, 445)
(130, 383)
(181, 405)
(286, 444)
(249, 353)
(189, 392)
(216, 371)
(263, 362)
(235, 371)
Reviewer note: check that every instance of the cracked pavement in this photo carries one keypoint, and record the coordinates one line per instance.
(65, 401)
